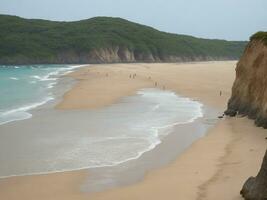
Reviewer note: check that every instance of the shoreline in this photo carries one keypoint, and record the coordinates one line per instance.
(158, 177)
(47, 111)
(75, 99)
(133, 171)
(57, 76)
(207, 113)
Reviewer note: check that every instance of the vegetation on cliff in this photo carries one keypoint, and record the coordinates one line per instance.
(102, 39)
(261, 35)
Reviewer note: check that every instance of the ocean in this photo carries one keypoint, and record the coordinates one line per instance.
(48, 140)
(25, 87)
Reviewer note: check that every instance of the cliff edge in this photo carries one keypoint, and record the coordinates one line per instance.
(249, 92)
(249, 98)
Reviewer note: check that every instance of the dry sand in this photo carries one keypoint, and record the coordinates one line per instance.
(214, 167)
(101, 85)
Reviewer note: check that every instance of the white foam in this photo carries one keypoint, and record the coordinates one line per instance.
(20, 113)
(52, 77)
(99, 165)
(13, 78)
(14, 117)
(51, 85)
(44, 78)
(143, 132)
(156, 132)
(71, 68)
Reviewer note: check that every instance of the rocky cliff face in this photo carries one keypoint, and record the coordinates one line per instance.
(256, 188)
(249, 92)
(109, 55)
(249, 98)
(124, 55)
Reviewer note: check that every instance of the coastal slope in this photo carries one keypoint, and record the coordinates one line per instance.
(103, 40)
(249, 97)
(249, 92)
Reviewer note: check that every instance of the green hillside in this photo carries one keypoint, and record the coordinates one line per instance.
(25, 41)
(261, 35)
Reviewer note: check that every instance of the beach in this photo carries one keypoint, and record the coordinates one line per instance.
(213, 167)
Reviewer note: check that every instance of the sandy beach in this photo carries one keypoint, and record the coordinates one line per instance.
(214, 167)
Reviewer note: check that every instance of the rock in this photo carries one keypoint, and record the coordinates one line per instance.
(248, 92)
(231, 113)
(221, 116)
(247, 187)
(249, 99)
(256, 188)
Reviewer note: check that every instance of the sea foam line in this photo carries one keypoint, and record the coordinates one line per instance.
(139, 154)
(13, 78)
(154, 144)
(52, 76)
(25, 108)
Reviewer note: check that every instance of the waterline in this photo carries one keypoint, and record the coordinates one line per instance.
(73, 140)
(25, 87)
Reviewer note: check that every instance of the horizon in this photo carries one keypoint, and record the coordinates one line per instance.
(225, 20)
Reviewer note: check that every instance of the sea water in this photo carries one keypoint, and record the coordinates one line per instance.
(53, 141)
(25, 87)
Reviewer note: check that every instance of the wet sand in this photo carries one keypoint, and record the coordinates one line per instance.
(214, 167)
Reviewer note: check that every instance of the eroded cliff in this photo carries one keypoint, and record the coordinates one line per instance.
(249, 98)
(124, 55)
(249, 92)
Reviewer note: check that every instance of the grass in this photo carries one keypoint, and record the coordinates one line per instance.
(261, 35)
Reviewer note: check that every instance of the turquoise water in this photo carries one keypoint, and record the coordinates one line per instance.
(25, 87)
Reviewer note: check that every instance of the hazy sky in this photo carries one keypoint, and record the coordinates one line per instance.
(224, 19)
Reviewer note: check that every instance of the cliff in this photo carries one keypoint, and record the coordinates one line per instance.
(256, 188)
(249, 98)
(249, 92)
(103, 40)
